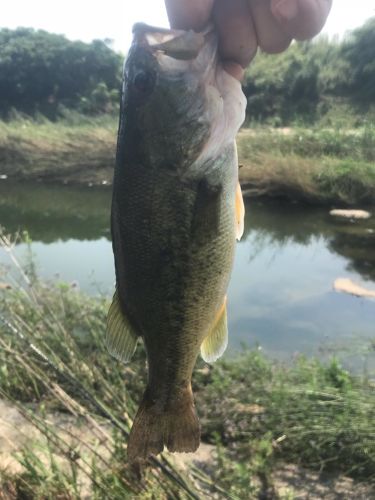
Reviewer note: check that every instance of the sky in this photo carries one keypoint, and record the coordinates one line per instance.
(86, 20)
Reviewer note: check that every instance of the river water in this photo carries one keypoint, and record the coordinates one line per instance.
(281, 296)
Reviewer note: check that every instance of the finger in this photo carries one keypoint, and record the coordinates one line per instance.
(271, 37)
(188, 14)
(301, 19)
(237, 39)
(234, 69)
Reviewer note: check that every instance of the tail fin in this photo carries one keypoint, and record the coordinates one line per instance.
(176, 427)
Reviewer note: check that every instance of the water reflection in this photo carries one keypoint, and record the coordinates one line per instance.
(279, 224)
(51, 213)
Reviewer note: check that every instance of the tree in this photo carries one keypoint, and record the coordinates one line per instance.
(283, 85)
(359, 51)
(39, 70)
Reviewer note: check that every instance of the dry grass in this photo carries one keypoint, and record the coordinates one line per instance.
(275, 176)
(78, 152)
(312, 166)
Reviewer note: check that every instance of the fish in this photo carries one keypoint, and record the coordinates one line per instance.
(177, 210)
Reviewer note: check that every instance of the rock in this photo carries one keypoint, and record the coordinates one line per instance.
(252, 409)
(204, 456)
(350, 214)
(346, 285)
(206, 370)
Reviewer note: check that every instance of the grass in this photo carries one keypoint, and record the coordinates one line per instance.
(75, 149)
(334, 166)
(312, 414)
(257, 414)
(318, 166)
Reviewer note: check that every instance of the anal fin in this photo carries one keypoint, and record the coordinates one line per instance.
(121, 338)
(215, 343)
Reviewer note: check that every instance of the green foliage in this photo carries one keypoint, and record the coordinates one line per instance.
(309, 79)
(283, 85)
(350, 181)
(100, 100)
(236, 475)
(315, 165)
(311, 142)
(314, 415)
(40, 71)
(358, 51)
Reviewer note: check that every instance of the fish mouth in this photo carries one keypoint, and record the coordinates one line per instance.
(178, 44)
(191, 60)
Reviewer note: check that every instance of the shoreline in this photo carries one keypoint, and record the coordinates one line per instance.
(313, 166)
(250, 191)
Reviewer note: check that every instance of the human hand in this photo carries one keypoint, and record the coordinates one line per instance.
(245, 25)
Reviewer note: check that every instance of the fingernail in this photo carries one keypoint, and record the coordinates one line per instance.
(284, 10)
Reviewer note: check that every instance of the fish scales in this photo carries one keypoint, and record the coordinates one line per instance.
(173, 227)
(182, 279)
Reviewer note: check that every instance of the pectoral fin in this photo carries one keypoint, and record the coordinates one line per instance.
(240, 212)
(216, 341)
(121, 338)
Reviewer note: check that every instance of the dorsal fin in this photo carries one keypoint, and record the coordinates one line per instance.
(215, 343)
(121, 338)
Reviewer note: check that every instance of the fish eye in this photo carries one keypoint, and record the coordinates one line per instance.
(144, 81)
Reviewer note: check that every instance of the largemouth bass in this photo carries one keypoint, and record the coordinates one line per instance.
(177, 210)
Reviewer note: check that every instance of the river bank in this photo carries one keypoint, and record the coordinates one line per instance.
(317, 166)
(259, 416)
